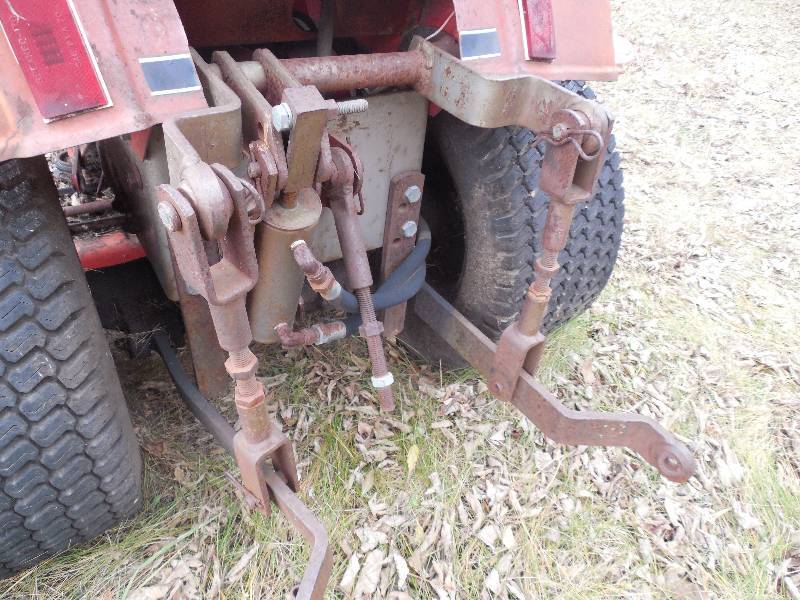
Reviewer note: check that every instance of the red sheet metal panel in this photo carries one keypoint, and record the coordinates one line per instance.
(581, 30)
(122, 36)
(261, 21)
(52, 53)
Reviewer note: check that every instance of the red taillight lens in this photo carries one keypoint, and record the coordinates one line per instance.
(537, 28)
(50, 48)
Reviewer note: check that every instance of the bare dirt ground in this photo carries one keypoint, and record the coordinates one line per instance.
(458, 497)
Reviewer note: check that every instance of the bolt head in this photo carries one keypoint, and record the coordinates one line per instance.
(409, 229)
(253, 170)
(168, 216)
(559, 131)
(282, 117)
(413, 194)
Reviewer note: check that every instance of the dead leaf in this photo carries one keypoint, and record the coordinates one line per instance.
(401, 566)
(508, 539)
(489, 535)
(367, 482)
(411, 459)
(587, 372)
(241, 565)
(350, 573)
(150, 592)
(745, 519)
(180, 474)
(370, 574)
(492, 582)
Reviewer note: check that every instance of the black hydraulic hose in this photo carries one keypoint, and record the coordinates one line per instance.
(205, 412)
(403, 282)
(391, 297)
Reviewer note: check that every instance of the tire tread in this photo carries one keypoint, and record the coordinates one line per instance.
(63, 421)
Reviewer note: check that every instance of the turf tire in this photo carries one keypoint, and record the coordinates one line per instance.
(69, 462)
(493, 183)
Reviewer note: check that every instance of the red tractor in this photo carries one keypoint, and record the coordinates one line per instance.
(434, 170)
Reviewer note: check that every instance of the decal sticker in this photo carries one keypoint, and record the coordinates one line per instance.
(479, 43)
(173, 74)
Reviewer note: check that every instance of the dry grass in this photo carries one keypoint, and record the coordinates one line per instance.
(699, 329)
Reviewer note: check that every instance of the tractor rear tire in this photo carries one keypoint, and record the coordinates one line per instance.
(69, 462)
(487, 210)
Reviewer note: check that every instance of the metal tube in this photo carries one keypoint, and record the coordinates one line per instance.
(95, 206)
(325, 27)
(352, 71)
(345, 72)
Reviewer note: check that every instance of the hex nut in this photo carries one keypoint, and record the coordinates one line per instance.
(409, 229)
(413, 194)
(168, 216)
(242, 370)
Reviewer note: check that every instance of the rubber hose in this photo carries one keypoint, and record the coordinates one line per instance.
(402, 283)
(205, 412)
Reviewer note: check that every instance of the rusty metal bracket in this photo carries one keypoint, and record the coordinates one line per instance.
(268, 166)
(642, 435)
(484, 101)
(306, 114)
(399, 235)
(513, 348)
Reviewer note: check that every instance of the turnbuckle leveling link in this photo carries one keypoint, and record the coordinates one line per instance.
(569, 172)
(224, 285)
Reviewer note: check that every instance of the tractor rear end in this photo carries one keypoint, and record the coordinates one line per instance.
(266, 158)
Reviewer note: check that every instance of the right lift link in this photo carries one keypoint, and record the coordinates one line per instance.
(567, 178)
(568, 174)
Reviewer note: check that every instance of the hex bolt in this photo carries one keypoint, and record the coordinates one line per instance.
(350, 107)
(409, 229)
(282, 117)
(413, 194)
(168, 216)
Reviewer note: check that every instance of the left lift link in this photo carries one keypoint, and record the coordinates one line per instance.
(224, 285)
(224, 213)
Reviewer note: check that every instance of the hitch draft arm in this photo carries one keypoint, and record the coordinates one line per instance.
(318, 570)
(563, 425)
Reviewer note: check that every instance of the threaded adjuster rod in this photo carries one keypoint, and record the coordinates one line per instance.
(381, 377)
